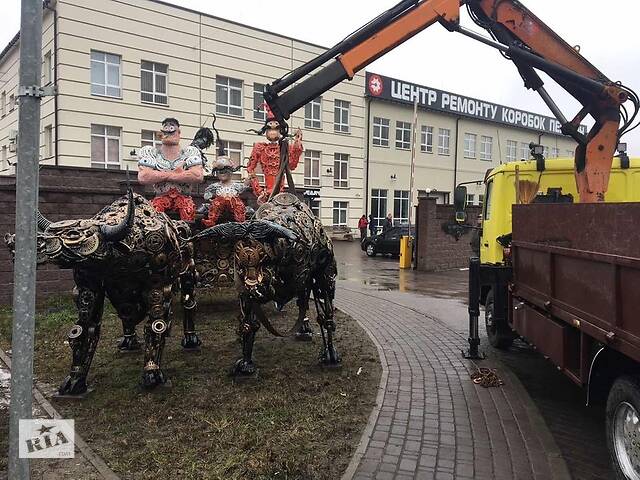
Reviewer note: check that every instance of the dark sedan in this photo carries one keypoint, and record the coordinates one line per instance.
(385, 243)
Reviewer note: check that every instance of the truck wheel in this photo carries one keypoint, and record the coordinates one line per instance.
(623, 427)
(371, 250)
(500, 336)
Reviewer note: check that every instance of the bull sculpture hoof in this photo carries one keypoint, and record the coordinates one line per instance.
(129, 344)
(73, 387)
(304, 333)
(191, 341)
(153, 378)
(243, 368)
(329, 358)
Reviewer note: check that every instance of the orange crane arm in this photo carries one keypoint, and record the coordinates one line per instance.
(519, 35)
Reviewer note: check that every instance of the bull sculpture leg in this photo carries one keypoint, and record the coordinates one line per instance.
(84, 335)
(249, 326)
(324, 306)
(155, 333)
(190, 340)
(130, 341)
(303, 331)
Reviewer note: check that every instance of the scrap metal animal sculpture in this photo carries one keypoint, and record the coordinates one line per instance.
(135, 257)
(297, 262)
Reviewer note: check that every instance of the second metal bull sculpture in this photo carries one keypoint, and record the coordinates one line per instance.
(295, 262)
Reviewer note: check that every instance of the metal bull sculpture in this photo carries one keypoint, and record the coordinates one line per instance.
(294, 262)
(133, 256)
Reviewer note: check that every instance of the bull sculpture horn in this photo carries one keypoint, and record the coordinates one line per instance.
(115, 233)
(43, 222)
(256, 229)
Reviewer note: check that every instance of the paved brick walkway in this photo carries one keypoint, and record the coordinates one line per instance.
(432, 422)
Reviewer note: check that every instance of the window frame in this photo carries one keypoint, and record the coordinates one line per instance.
(106, 138)
(105, 64)
(400, 203)
(310, 121)
(380, 140)
(47, 68)
(154, 142)
(340, 206)
(524, 148)
(468, 153)
(484, 155)
(309, 159)
(154, 74)
(403, 128)
(514, 144)
(48, 141)
(259, 112)
(229, 88)
(378, 197)
(338, 166)
(339, 106)
(441, 137)
(426, 139)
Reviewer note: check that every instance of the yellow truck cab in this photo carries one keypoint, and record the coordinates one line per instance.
(545, 181)
(500, 195)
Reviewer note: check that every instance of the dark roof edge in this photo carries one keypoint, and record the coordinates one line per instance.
(10, 45)
(179, 7)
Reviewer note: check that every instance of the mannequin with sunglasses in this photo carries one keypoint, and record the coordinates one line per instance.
(172, 170)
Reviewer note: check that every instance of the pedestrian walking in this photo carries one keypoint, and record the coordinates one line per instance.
(388, 224)
(372, 225)
(362, 225)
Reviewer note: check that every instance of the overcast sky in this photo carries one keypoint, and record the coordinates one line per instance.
(607, 34)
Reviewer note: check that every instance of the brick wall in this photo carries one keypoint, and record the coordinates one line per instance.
(435, 250)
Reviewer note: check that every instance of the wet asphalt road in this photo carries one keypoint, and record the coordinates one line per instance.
(578, 430)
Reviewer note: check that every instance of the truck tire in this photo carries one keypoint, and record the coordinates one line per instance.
(623, 427)
(500, 336)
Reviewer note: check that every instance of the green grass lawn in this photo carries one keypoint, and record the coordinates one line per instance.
(294, 421)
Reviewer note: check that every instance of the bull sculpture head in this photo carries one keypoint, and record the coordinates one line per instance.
(69, 242)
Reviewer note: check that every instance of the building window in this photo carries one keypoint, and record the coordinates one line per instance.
(229, 96)
(48, 141)
(403, 135)
(524, 151)
(340, 210)
(480, 200)
(315, 208)
(149, 139)
(545, 152)
(555, 152)
(444, 136)
(486, 148)
(341, 170)
(470, 199)
(12, 102)
(311, 168)
(400, 206)
(470, 145)
(153, 82)
(3, 103)
(512, 150)
(426, 139)
(259, 111)
(105, 74)
(233, 150)
(381, 131)
(378, 206)
(313, 113)
(47, 68)
(341, 116)
(105, 147)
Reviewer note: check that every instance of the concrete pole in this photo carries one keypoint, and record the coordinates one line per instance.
(26, 204)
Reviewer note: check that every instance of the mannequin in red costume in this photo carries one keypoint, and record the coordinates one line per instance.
(171, 170)
(267, 155)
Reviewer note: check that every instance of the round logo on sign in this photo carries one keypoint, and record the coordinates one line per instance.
(375, 85)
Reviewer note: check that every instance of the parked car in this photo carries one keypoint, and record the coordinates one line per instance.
(385, 243)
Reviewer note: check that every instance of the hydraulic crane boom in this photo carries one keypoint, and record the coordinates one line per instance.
(520, 36)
